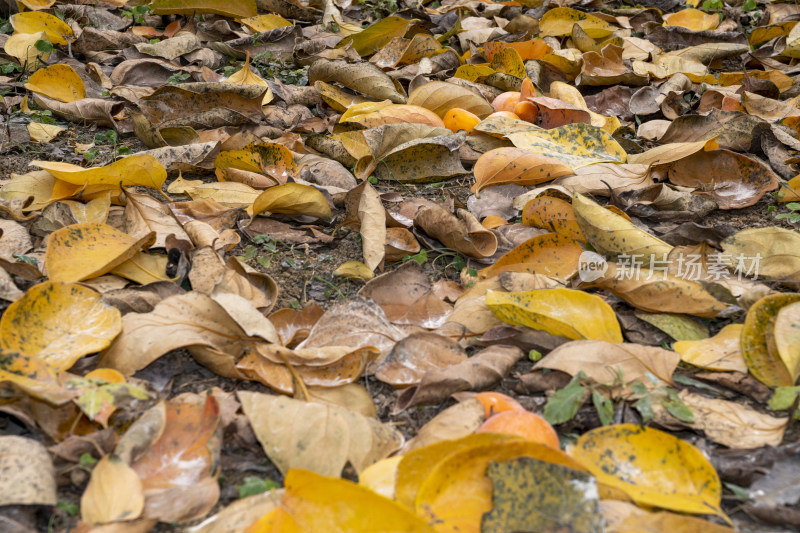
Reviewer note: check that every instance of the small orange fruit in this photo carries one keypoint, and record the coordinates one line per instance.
(460, 119)
(504, 114)
(527, 111)
(506, 101)
(523, 424)
(497, 402)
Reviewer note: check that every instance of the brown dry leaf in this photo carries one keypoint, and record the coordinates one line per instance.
(405, 296)
(294, 326)
(417, 354)
(316, 437)
(84, 251)
(733, 180)
(604, 362)
(191, 319)
(463, 233)
(144, 214)
(365, 78)
(480, 372)
(728, 423)
(455, 422)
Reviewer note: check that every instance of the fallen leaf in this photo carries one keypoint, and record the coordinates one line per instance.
(765, 361)
(293, 199)
(59, 323)
(114, 493)
(603, 362)
(480, 372)
(29, 477)
(651, 467)
(314, 502)
(722, 352)
(84, 251)
(551, 255)
(576, 145)
(440, 97)
(316, 437)
(555, 496)
(513, 165)
(570, 313)
(59, 82)
(144, 170)
(462, 233)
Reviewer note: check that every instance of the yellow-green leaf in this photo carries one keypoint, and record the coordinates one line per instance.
(377, 35)
(570, 313)
(84, 251)
(558, 22)
(652, 467)
(31, 375)
(576, 145)
(229, 8)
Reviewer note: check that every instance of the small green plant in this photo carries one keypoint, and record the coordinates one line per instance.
(714, 6)
(421, 257)
(26, 259)
(793, 216)
(109, 137)
(87, 462)
(91, 154)
(137, 13)
(564, 404)
(749, 5)
(5, 26)
(255, 485)
(43, 46)
(178, 77)
(10, 68)
(70, 508)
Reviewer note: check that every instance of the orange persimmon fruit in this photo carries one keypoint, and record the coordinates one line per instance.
(523, 424)
(506, 101)
(460, 119)
(497, 402)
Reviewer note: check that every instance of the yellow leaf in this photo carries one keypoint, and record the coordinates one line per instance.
(377, 35)
(43, 133)
(337, 98)
(772, 252)
(144, 268)
(22, 47)
(553, 214)
(692, 19)
(139, 169)
(513, 165)
(759, 341)
(417, 465)
(371, 114)
(293, 199)
(273, 160)
(550, 254)
(59, 323)
(722, 352)
(576, 145)
(457, 492)
(612, 234)
(84, 251)
(262, 23)
(230, 193)
(229, 8)
(59, 82)
(652, 467)
(354, 269)
(114, 493)
(558, 22)
(246, 76)
(313, 503)
(36, 5)
(508, 61)
(787, 337)
(31, 375)
(570, 313)
(95, 210)
(381, 477)
(57, 30)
